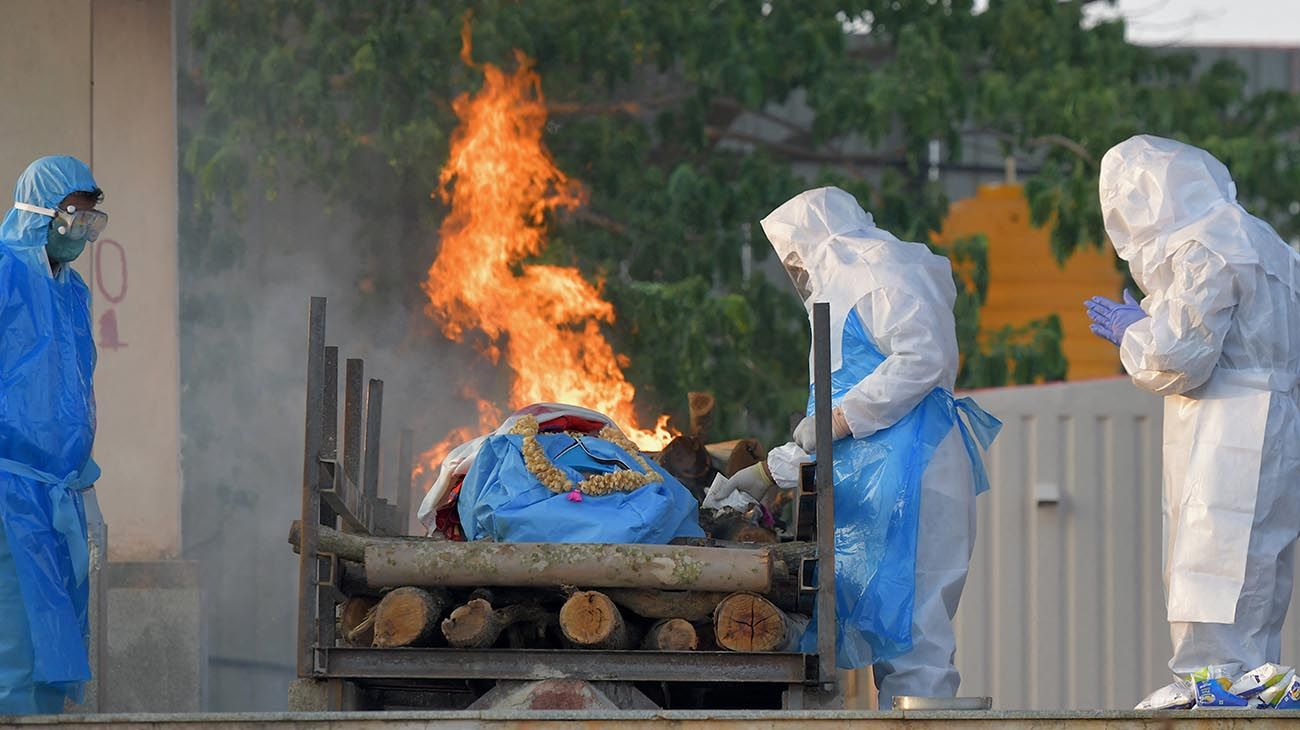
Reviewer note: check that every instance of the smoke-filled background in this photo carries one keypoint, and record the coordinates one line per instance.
(312, 136)
(246, 280)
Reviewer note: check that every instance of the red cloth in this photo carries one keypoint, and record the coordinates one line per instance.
(447, 518)
(571, 423)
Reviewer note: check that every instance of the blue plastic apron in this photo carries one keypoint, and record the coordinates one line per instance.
(877, 507)
(47, 426)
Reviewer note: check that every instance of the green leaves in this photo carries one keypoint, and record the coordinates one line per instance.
(687, 125)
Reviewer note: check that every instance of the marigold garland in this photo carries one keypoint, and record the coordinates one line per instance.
(597, 485)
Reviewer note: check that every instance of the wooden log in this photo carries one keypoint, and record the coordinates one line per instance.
(729, 525)
(746, 453)
(749, 622)
(344, 545)
(786, 559)
(352, 581)
(414, 561)
(478, 625)
(356, 624)
(590, 620)
(549, 565)
(671, 634)
(720, 453)
(408, 616)
(690, 605)
(687, 460)
(701, 407)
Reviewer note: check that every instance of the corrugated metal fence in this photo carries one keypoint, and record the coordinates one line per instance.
(1064, 607)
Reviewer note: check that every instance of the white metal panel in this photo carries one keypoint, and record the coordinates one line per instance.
(1064, 604)
(1064, 607)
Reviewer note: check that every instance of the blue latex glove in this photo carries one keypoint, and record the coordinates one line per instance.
(1110, 318)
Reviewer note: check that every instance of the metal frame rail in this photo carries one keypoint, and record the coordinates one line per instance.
(345, 496)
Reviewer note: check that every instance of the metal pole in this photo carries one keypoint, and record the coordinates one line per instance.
(405, 463)
(352, 414)
(307, 567)
(374, 418)
(329, 419)
(826, 619)
(330, 406)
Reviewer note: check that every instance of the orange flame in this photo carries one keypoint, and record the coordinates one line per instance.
(543, 321)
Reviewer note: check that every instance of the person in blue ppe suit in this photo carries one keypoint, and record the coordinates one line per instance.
(47, 428)
(907, 453)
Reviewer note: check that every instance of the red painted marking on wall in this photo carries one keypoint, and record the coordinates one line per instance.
(113, 298)
(109, 336)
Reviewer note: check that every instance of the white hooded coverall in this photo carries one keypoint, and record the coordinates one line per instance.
(904, 296)
(1222, 345)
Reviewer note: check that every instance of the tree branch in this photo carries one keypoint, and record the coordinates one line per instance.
(734, 104)
(804, 154)
(1055, 140)
(587, 215)
(630, 106)
(1062, 141)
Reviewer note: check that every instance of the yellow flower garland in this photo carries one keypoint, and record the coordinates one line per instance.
(596, 485)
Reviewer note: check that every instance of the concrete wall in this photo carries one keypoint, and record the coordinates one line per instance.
(133, 145)
(157, 653)
(51, 79)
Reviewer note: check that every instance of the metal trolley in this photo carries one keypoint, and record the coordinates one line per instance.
(343, 494)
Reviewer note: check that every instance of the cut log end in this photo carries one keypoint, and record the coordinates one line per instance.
(590, 619)
(672, 634)
(701, 405)
(478, 625)
(357, 620)
(407, 617)
(470, 625)
(748, 622)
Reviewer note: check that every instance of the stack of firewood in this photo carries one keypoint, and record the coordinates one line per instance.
(581, 619)
(702, 594)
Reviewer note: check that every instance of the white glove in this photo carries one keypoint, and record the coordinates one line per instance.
(805, 434)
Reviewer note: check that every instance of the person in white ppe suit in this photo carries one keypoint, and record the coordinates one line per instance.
(907, 461)
(1218, 335)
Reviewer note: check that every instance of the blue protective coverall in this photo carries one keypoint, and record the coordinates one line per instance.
(47, 428)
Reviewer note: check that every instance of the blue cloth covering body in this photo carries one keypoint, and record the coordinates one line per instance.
(502, 501)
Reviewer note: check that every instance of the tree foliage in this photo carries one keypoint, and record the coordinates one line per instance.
(352, 97)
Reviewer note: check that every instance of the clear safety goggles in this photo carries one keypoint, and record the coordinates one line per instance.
(73, 223)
